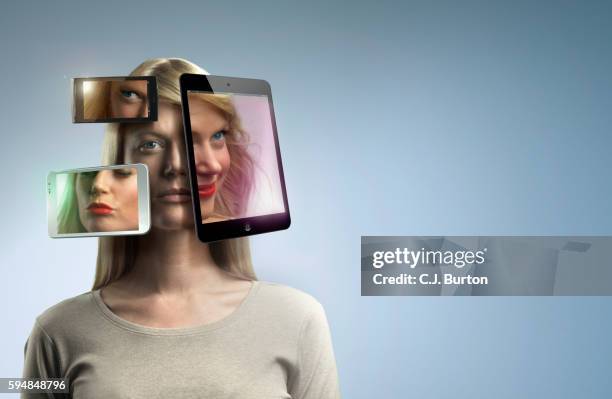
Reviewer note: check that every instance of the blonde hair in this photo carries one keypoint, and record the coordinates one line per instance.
(96, 102)
(116, 255)
(68, 220)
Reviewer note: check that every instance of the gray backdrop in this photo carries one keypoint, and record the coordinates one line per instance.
(411, 118)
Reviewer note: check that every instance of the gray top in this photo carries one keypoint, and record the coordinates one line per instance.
(276, 344)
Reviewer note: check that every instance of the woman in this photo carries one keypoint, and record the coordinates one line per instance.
(220, 142)
(99, 201)
(169, 316)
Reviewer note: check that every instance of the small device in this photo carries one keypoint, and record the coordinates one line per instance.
(114, 99)
(233, 157)
(99, 201)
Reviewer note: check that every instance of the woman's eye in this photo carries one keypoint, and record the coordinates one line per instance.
(123, 172)
(129, 94)
(149, 146)
(219, 135)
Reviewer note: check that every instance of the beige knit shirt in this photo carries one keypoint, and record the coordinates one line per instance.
(276, 344)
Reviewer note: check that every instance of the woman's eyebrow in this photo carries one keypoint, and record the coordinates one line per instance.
(137, 91)
(223, 128)
(140, 133)
(133, 84)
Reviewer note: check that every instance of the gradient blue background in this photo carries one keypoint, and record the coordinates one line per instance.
(419, 118)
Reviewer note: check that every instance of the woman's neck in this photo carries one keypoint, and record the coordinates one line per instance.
(170, 262)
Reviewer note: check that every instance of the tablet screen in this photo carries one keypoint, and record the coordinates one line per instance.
(235, 156)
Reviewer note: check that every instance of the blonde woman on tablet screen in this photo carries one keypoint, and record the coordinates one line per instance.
(224, 168)
(169, 316)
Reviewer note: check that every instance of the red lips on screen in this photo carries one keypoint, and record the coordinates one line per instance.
(99, 208)
(206, 190)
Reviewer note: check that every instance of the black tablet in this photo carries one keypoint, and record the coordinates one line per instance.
(114, 99)
(234, 159)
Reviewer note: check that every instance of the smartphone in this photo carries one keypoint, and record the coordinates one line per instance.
(99, 201)
(114, 99)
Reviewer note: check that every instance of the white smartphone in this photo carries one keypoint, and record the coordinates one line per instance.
(98, 201)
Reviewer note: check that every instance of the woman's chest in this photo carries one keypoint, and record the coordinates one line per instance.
(167, 369)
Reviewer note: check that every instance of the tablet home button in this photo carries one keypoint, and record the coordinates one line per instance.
(247, 227)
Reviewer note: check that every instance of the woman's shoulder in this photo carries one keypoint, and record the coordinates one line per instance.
(286, 299)
(66, 314)
(298, 314)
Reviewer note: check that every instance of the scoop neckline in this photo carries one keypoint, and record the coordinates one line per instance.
(139, 328)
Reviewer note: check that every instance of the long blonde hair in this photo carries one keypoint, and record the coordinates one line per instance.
(116, 255)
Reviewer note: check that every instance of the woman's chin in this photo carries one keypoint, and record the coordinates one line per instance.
(207, 211)
(98, 227)
(109, 227)
(173, 222)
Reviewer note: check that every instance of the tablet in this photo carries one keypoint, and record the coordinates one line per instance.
(99, 201)
(233, 157)
(114, 99)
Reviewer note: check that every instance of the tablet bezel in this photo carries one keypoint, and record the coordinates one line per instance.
(77, 100)
(144, 202)
(232, 228)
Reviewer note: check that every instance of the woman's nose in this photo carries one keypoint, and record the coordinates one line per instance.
(206, 161)
(102, 182)
(175, 160)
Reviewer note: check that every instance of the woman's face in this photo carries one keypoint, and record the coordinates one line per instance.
(128, 99)
(209, 128)
(160, 145)
(108, 199)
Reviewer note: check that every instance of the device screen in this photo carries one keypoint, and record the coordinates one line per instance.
(115, 99)
(97, 201)
(236, 159)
